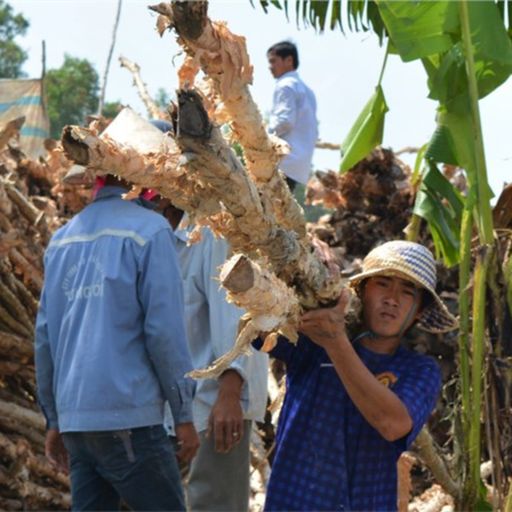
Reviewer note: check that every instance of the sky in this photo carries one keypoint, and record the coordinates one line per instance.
(342, 70)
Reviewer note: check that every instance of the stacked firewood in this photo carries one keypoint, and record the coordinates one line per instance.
(372, 204)
(33, 203)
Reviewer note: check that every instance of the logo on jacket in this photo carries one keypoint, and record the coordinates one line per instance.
(94, 275)
(386, 378)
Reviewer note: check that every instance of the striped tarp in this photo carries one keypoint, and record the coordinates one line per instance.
(24, 98)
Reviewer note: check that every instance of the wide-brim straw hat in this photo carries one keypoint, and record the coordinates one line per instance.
(415, 263)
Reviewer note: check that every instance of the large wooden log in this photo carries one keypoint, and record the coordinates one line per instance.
(159, 171)
(293, 259)
(272, 307)
(223, 57)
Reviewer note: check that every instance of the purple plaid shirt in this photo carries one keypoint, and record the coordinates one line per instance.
(328, 457)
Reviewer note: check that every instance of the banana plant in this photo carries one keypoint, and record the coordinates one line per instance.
(466, 51)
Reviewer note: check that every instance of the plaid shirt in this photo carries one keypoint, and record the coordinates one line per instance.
(328, 457)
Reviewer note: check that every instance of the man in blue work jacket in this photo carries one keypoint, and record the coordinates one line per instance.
(110, 348)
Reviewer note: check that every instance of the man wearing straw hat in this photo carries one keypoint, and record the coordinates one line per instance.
(353, 406)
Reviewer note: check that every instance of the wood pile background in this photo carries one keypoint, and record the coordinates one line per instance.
(33, 203)
(369, 205)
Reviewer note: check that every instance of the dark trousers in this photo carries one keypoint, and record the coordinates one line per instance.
(138, 466)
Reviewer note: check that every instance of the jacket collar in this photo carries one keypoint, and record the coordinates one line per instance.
(110, 191)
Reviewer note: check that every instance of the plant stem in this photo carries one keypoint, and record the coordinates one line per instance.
(381, 75)
(483, 219)
(464, 327)
(480, 278)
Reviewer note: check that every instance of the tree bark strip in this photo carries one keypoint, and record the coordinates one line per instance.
(223, 57)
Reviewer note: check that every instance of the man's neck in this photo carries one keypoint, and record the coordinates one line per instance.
(381, 345)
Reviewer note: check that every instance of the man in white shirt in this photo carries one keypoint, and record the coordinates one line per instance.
(293, 115)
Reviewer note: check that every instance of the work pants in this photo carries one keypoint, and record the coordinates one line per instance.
(220, 481)
(138, 466)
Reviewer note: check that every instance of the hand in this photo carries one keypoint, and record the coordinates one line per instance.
(55, 450)
(226, 421)
(188, 442)
(326, 326)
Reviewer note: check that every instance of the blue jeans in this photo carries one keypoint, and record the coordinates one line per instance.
(137, 465)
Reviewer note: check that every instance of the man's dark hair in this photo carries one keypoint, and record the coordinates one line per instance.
(285, 49)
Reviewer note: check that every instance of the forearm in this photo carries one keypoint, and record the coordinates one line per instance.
(230, 384)
(379, 405)
(171, 368)
(44, 379)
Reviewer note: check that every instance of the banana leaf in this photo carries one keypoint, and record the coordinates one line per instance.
(419, 29)
(441, 205)
(356, 15)
(366, 133)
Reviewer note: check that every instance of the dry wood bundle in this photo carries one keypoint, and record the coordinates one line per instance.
(373, 203)
(27, 481)
(209, 182)
(222, 56)
(252, 208)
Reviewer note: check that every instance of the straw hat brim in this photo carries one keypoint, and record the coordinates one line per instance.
(435, 318)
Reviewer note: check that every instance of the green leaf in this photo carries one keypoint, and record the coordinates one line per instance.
(455, 133)
(441, 146)
(492, 45)
(448, 80)
(492, 55)
(419, 29)
(366, 133)
(319, 14)
(357, 15)
(436, 181)
(441, 205)
(482, 505)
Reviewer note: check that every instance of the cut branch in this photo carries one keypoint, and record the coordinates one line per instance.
(210, 157)
(160, 171)
(428, 452)
(10, 129)
(154, 112)
(223, 57)
(271, 306)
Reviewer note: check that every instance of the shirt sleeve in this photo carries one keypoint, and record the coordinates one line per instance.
(44, 366)
(284, 111)
(293, 354)
(419, 391)
(161, 295)
(223, 316)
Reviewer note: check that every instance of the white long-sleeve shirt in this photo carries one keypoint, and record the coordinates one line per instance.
(293, 118)
(212, 325)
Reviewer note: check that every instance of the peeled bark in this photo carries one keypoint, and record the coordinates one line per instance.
(209, 156)
(10, 129)
(159, 171)
(272, 308)
(209, 182)
(223, 57)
